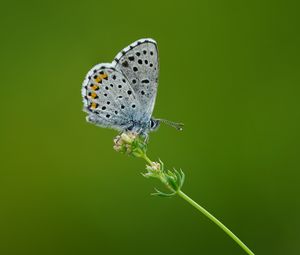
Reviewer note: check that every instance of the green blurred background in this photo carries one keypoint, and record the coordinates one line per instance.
(229, 71)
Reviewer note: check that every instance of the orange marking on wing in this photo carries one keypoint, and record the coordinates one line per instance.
(93, 95)
(93, 105)
(104, 76)
(94, 87)
(101, 77)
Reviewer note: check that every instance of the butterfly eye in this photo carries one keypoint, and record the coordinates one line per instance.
(152, 123)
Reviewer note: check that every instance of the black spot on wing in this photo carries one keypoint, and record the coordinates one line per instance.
(145, 81)
(125, 64)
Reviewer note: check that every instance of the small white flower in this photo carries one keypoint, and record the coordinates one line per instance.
(155, 166)
(129, 143)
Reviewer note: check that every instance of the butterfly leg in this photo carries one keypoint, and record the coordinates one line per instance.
(143, 134)
(146, 138)
(117, 138)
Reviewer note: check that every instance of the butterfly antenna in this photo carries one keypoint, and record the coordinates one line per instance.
(178, 126)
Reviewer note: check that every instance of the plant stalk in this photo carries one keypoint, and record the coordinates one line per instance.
(145, 157)
(215, 220)
(207, 214)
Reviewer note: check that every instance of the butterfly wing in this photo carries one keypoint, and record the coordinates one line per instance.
(108, 98)
(139, 64)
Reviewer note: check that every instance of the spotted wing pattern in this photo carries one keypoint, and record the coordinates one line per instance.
(139, 64)
(108, 98)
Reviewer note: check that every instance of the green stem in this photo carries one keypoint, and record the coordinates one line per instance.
(207, 214)
(144, 156)
(215, 220)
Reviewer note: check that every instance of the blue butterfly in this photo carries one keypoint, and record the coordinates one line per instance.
(121, 95)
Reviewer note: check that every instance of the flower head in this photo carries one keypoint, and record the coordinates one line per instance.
(130, 143)
(154, 170)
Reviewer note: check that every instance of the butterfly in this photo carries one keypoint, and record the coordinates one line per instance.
(121, 95)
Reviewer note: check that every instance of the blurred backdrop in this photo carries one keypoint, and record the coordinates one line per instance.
(228, 69)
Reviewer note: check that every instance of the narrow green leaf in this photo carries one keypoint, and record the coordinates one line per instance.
(182, 178)
(162, 194)
(172, 182)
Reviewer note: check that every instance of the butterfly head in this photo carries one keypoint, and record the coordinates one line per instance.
(154, 124)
